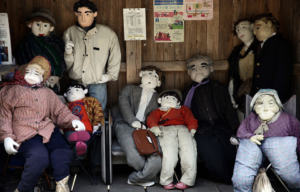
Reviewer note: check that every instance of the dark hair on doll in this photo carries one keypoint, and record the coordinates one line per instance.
(85, 3)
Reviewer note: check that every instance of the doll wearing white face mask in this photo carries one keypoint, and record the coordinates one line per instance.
(175, 124)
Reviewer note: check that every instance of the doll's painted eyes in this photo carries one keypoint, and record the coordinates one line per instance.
(257, 28)
(37, 24)
(45, 25)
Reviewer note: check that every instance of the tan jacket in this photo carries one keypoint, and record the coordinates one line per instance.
(91, 52)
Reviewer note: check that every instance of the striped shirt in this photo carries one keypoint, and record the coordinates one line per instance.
(26, 112)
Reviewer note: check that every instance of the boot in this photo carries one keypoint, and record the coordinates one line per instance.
(62, 185)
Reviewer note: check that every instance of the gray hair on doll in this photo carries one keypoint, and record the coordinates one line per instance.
(209, 60)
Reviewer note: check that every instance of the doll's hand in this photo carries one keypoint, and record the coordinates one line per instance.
(256, 139)
(78, 125)
(230, 90)
(193, 131)
(137, 125)
(51, 81)
(95, 128)
(156, 131)
(105, 78)
(9, 145)
(69, 45)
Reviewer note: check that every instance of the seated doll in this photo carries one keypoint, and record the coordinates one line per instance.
(29, 113)
(211, 105)
(175, 125)
(135, 104)
(269, 132)
(89, 111)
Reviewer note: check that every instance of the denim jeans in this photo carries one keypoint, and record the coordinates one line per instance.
(99, 92)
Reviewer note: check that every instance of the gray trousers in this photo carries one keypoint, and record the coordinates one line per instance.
(147, 167)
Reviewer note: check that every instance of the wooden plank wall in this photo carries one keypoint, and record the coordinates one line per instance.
(213, 38)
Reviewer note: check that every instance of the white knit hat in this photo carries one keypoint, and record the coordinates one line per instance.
(261, 92)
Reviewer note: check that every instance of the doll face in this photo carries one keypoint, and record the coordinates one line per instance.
(168, 101)
(244, 31)
(263, 30)
(85, 16)
(266, 107)
(150, 79)
(33, 76)
(75, 94)
(39, 28)
(199, 69)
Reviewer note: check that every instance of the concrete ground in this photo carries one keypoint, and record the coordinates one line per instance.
(121, 172)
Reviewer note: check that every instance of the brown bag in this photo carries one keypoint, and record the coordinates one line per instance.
(262, 182)
(145, 142)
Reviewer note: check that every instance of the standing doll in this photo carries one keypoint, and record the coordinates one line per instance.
(175, 126)
(241, 64)
(42, 41)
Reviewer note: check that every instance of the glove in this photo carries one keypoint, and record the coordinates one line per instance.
(156, 131)
(256, 139)
(137, 125)
(230, 90)
(193, 131)
(9, 145)
(78, 125)
(105, 78)
(95, 128)
(69, 45)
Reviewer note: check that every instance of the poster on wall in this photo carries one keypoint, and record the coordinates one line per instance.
(198, 9)
(168, 21)
(134, 24)
(5, 44)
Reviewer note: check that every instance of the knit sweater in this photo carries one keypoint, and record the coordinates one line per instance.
(182, 116)
(51, 47)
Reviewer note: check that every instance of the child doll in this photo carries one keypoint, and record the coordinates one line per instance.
(175, 125)
(88, 109)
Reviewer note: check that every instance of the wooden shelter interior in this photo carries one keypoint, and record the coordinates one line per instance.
(213, 38)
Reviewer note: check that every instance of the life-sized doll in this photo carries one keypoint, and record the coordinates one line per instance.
(175, 126)
(241, 63)
(29, 115)
(267, 132)
(135, 105)
(211, 105)
(42, 41)
(274, 59)
(92, 51)
(90, 113)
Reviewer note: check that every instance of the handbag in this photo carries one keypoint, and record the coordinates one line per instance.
(145, 142)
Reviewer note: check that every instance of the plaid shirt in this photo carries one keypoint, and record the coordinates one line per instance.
(93, 109)
(285, 125)
(26, 112)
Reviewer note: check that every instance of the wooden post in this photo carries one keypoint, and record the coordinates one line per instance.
(133, 52)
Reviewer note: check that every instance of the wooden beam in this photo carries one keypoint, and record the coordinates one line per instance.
(178, 66)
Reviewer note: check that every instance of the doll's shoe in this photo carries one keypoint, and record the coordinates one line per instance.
(181, 186)
(170, 186)
(79, 136)
(80, 148)
(146, 184)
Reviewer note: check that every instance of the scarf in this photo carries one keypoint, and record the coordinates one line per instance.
(263, 128)
(51, 47)
(189, 97)
(18, 79)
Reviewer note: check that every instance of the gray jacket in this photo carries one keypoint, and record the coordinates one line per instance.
(129, 100)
